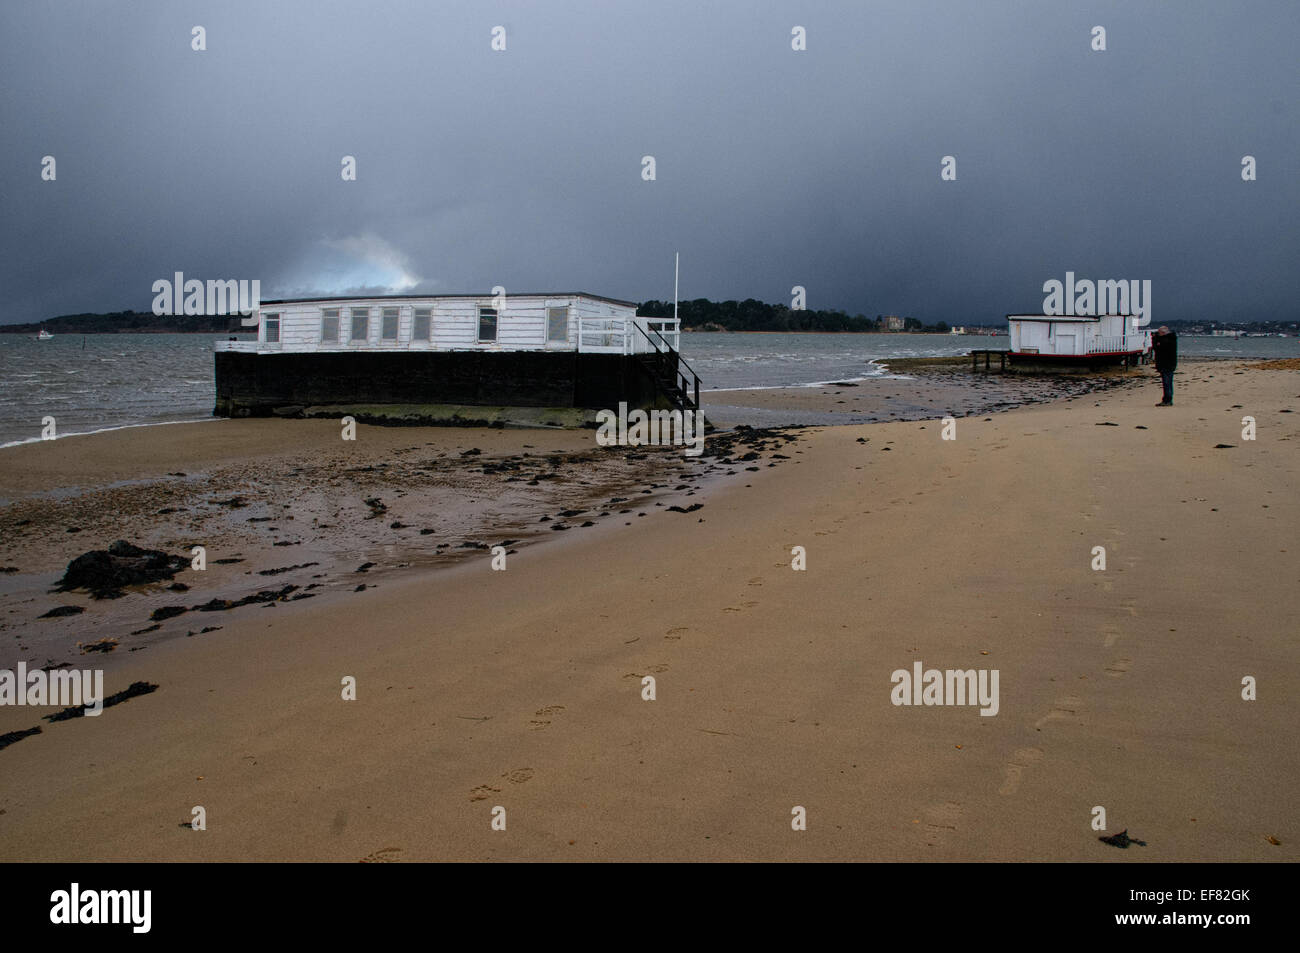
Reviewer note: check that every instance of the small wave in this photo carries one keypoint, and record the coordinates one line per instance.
(88, 433)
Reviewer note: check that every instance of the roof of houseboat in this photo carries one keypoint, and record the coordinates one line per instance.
(1062, 317)
(404, 297)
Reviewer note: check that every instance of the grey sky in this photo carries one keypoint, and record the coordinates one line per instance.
(774, 167)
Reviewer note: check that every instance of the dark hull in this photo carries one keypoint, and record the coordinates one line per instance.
(256, 385)
(1075, 361)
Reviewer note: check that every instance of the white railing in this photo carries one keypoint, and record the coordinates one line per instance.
(1114, 344)
(669, 331)
(620, 335)
(249, 347)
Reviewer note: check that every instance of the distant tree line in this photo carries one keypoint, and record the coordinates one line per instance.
(701, 314)
(127, 322)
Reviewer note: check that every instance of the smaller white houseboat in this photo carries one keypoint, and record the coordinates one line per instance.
(1077, 340)
(565, 349)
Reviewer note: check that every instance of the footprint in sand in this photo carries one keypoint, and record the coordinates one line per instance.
(740, 608)
(538, 723)
(483, 792)
(385, 855)
(940, 819)
(756, 581)
(656, 669)
(520, 775)
(1065, 709)
(675, 634)
(1021, 759)
(1111, 632)
(1118, 667)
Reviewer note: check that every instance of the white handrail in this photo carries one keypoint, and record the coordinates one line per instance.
(1114, 344)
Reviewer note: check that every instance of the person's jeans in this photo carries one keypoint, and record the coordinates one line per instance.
(1167, 381)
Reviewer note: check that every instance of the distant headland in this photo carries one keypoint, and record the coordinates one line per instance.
(128, 322)
(701, 314)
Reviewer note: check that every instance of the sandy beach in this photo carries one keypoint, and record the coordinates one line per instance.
(523, 689)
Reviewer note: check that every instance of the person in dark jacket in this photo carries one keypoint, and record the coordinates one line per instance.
(1164, 347)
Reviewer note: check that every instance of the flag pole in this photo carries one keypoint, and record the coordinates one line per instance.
(676, 267)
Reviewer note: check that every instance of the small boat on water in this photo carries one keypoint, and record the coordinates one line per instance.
(44, 335)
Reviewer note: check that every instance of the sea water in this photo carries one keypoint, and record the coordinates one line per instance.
(102, 381)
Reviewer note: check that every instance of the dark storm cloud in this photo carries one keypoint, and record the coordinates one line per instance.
(775, 168)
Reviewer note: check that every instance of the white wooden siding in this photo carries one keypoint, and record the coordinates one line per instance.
(521, 323)
(1074, 337)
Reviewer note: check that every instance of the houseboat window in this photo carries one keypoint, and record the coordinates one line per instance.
(360, 324)
(423, 324)
(487, 324)
(557, 324)
(390, 324)
(329, 326)
(271, 322)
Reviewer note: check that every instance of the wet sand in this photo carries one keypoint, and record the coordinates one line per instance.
(911, 389)
(288, 503)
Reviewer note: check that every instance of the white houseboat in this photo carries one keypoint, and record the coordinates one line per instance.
(566, 349)
(1077, 340)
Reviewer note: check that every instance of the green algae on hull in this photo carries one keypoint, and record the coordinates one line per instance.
(452, 415)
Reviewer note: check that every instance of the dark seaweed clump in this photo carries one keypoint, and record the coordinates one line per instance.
(104, 572)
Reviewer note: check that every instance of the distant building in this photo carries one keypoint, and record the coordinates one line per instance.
(893, 322)
(1077, 339)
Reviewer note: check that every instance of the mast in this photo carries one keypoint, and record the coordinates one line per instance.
(676, 268)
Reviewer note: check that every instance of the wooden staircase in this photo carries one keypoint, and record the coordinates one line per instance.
(675, 380)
